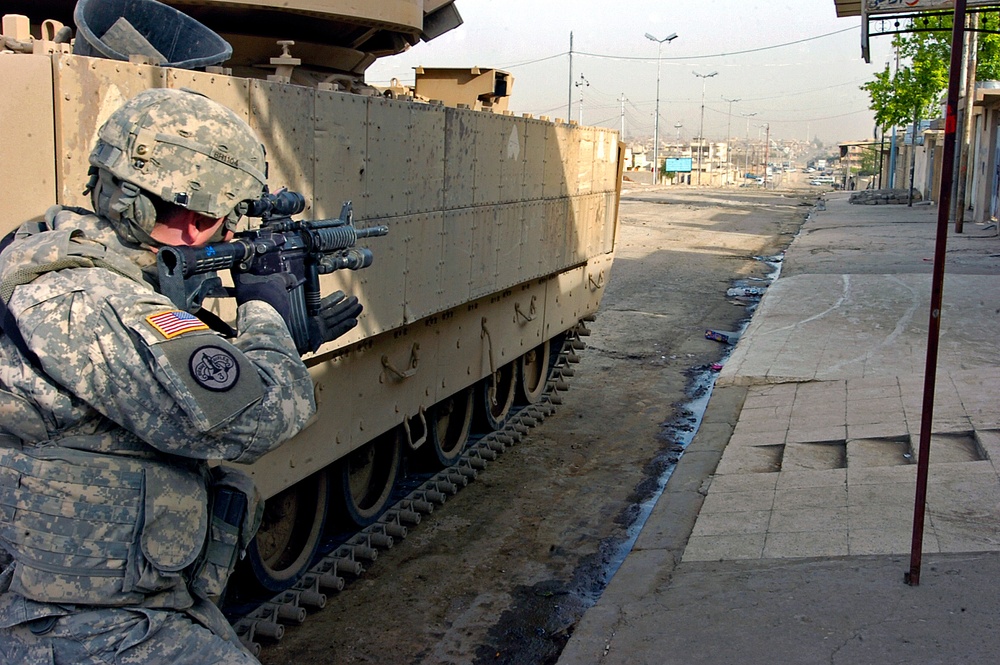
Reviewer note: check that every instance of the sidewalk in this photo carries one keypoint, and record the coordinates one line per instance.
(784, 533)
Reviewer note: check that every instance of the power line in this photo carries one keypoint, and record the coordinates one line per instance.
(720, 55)
(804, 92)
(536, 60)
(829, 117)
(686, 57)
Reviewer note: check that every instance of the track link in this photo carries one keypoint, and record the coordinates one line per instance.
(348, 561)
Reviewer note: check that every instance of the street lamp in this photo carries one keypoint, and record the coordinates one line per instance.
(746, 153)
(701, 128)
(767, 150)
(766, 128)
(729, 125)
(656, 118)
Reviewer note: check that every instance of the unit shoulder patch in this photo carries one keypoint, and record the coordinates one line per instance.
(174, 322)
(214, 368)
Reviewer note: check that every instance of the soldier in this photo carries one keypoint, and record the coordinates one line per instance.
(115, 532)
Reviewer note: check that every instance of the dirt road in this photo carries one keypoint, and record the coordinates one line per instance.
(503, 571)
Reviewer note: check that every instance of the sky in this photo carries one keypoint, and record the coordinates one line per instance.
(791, 63)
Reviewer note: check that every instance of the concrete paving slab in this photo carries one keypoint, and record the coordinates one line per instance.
(811, 479)
(826, 518)
(743, 436)
(828, 542)
(729, 502)
(806, 434)
(725, 547)
(744, 482)
(888, 517)
(732, 523)
(886, 430)
(819, 456)
(751, 459)
(891, 540)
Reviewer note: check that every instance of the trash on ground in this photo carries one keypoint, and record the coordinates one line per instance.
(722, 336)
(746, 291)
(776, 258)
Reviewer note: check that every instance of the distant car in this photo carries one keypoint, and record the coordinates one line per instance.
(810, 170)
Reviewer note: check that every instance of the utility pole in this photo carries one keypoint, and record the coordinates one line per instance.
(582, 83)
(729, 142)
(623, 100)
(656, 118)
(912, 576)
(893, 147)
(569, 102)
(913, 156)
(881, 157)
(964, 148)
(701, 128)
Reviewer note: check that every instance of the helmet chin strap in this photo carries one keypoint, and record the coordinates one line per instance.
(127, 206)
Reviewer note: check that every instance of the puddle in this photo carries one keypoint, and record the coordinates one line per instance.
(537, 627)
(679, 432)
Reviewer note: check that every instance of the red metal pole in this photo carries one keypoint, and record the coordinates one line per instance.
(912, 577)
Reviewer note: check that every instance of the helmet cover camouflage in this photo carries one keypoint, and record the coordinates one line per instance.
(181, 147)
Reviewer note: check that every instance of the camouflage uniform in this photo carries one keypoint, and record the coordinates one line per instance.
(111, 541)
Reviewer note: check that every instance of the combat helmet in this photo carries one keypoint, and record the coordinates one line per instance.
(178, 146)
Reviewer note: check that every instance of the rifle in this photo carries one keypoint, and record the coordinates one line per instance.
(305, 249)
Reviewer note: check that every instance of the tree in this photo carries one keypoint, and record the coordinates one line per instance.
(916, 88)
(869, 161)
(913, 89)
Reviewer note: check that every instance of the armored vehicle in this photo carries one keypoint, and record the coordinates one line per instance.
(501, 228)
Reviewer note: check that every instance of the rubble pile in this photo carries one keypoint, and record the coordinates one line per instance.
(872, 197)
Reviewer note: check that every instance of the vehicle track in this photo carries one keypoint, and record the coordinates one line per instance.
(348, 557)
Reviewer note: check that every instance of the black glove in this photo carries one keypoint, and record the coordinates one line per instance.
(337, 315)
(272, 289)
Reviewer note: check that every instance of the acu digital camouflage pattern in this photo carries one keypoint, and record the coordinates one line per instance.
(104, 484)
(123, 637)
(182, 147)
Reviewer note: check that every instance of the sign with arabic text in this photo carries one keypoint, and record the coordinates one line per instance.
(678, 165)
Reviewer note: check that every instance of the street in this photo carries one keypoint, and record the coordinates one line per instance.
(504, 570)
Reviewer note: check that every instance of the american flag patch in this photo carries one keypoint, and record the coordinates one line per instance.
(175, 322)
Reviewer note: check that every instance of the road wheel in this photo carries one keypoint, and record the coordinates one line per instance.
(448, 425)
(496, 396)
(533, 372)
(290, 532)
(367, 477)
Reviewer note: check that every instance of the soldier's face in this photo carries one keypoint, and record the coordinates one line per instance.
(180, 226)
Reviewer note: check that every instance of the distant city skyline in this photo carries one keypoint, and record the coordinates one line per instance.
(794, 65)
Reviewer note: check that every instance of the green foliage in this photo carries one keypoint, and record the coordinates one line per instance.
(919, 85)
(869, 161)
(988, 67)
